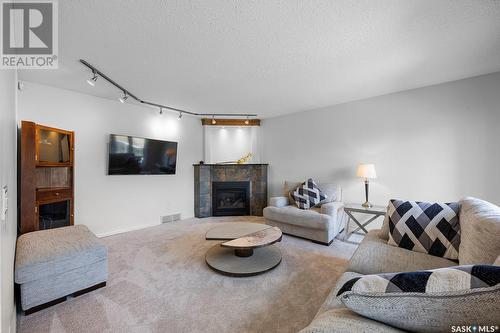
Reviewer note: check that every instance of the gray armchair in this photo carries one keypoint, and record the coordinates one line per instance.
(319, 224)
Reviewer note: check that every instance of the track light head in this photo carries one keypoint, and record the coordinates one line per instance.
(123, 99)
(247, 121)
(93, 80)
(161, 110)
(180, 116)
(213, 120)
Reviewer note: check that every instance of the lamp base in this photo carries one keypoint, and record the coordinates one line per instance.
(367, 205)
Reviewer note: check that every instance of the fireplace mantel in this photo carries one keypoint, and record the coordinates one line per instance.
(206, 174)
(231, 164)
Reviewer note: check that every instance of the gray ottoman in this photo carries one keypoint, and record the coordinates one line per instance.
(52, 264)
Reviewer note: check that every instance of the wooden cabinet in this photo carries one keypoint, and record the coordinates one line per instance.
(46, 177)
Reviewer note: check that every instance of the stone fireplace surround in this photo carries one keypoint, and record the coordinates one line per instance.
(205, 174)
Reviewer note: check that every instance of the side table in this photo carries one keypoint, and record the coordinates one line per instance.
(375, 211)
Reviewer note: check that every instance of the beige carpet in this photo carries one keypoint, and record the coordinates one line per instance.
(159, 282)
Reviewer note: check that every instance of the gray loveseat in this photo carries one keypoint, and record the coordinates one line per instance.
(319, 224)
(480, 244)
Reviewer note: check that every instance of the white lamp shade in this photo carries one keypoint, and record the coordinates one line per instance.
(366, 171)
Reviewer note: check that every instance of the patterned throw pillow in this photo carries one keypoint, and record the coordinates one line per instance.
(308, 195)
(433, 299)
(431, 228)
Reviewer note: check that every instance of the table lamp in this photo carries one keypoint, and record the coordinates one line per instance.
(366, 171)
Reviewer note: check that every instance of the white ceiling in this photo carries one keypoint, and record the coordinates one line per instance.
(271, 57)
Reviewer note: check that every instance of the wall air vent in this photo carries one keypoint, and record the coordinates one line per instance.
(170, 218)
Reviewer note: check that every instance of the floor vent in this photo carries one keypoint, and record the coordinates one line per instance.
(170, 218)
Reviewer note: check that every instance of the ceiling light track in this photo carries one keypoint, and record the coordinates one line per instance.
(126, 93)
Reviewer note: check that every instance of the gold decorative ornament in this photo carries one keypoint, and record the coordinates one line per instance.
(242, 160)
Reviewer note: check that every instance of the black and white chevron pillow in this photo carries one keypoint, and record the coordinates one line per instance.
(431, 228)
(308, 194)
(441, 280)
(434, 299)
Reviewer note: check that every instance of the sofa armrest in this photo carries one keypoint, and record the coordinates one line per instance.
(334, 209)
(278, 201)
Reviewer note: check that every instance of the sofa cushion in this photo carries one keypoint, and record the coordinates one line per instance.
(310, 218)
(289, 187)
(375, 256)
(308, 194)
(427, 301)
(44, 253)
(425, 227)
(385, 227)
(480, 224)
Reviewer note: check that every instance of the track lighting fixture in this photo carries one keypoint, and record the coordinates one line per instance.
(123, 99)
(96, 74)
(247, 121)
(93, 79)
(180, 116)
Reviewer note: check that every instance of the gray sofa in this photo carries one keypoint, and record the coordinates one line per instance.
(480, 235)
(319, 224)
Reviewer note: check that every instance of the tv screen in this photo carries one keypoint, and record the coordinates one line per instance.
(130, 155)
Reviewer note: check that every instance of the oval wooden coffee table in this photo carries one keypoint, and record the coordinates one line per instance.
(248, 249)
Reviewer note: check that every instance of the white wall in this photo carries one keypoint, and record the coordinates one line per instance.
(108, 204)
(8, 227)
(435, 143)
(230, 143)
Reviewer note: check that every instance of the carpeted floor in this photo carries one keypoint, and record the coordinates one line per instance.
(159, 282)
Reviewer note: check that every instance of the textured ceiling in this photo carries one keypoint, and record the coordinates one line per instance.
(272, 57)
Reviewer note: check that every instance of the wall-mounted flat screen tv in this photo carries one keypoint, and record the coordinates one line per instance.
(130, 155)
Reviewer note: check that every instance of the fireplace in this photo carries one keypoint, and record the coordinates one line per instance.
(230, 198)
(252, 177)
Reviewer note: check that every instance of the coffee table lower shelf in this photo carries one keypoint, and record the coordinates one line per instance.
(226, 261)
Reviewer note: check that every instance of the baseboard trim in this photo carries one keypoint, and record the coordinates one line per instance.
(121, 231)
(136, 227)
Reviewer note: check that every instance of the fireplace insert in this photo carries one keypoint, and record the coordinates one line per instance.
(230, 198)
